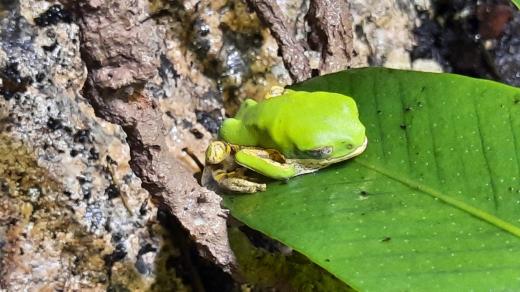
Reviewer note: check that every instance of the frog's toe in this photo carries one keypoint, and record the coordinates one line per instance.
(216, 152)
(241, 185)
(274, 91)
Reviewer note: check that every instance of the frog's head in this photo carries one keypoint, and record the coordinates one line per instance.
(335, 145)
(329, 131)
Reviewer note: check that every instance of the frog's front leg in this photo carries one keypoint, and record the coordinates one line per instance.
(223, 169)
(237, 181)
(267, 162)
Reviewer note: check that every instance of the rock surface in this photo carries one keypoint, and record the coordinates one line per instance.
(507, 53)
(72, 212)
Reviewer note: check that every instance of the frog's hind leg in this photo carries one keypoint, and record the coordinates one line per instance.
(244, 107)
(233, 131)
(267, 162)
(236, 181)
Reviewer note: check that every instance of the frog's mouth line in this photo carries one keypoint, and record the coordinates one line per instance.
(354, 153)
(311, 165)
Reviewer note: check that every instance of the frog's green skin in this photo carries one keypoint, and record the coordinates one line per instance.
(284, 136)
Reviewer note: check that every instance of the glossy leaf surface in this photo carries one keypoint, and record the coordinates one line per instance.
(433, 203)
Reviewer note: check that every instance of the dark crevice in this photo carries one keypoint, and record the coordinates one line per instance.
(195, 271)
(467, 37)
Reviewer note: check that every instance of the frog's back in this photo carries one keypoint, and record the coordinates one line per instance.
(299, 120)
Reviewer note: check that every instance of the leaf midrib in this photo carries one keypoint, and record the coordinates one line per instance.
(476, 212)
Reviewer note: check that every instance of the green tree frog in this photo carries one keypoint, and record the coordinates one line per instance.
(293, 133)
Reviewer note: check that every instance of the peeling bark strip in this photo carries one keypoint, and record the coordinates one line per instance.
(121, 54)
(197, 208)
(331, 34)
(331, 21)
(292, 51)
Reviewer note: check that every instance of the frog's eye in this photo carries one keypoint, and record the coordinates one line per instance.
(322, 152)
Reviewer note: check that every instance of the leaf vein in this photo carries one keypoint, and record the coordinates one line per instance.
(515, 143)
(378, 118)
(484, 151)
(476, 212)
(405, 129)
(434, 145)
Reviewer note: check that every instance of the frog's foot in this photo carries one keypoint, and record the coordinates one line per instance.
(267, 162)
(274, 91)
(236, 181)
(217, 152)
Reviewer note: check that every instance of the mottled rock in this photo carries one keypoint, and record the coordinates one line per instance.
(383, 32)
(62, 226)
(222, 48)
(120, 65)
(507, 53)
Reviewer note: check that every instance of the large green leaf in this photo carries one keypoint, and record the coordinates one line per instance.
(433, 203)
(517, 3)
